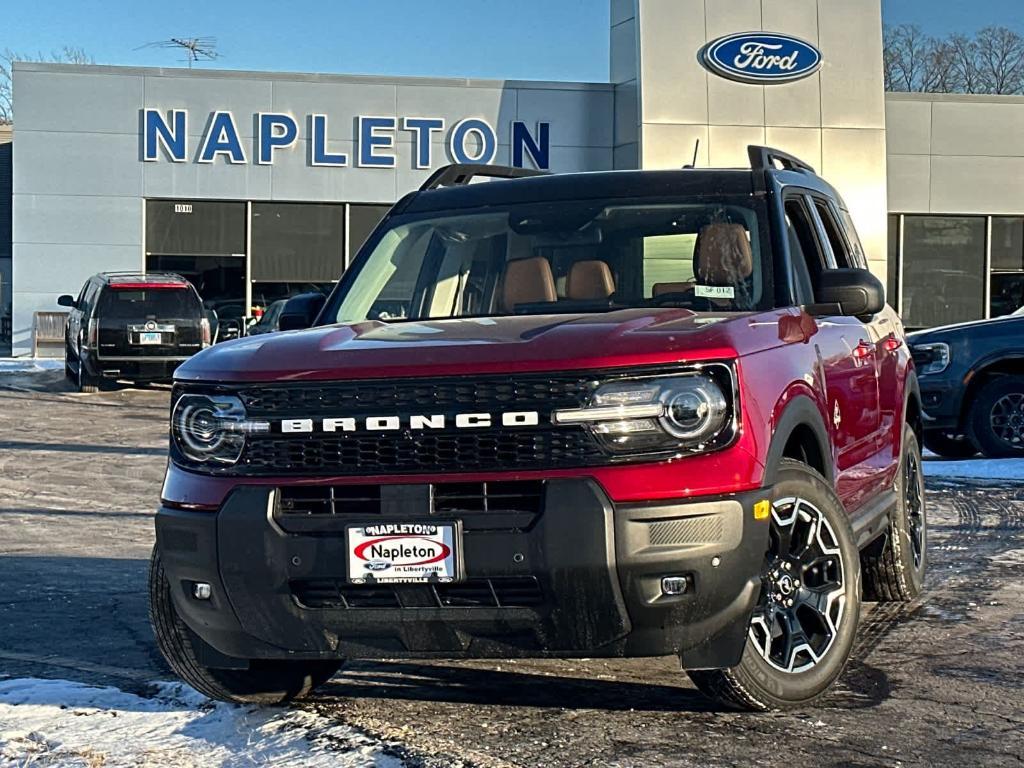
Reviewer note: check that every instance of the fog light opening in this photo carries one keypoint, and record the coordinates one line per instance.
(201, 590)
(675, 585)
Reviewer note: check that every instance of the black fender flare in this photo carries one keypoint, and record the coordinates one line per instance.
(911, 388)
(800, 412)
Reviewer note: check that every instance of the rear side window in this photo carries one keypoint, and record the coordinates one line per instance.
(834, 235)
(124, 304)
(851, 235)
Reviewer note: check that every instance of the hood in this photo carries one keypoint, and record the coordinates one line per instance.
(472, 345)
(936, 334)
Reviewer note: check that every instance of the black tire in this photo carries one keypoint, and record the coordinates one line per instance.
(69, 374)
(83, 380)
(949, 445)
(264, 682)
(997, 417)
(759, 682)
(894, 567)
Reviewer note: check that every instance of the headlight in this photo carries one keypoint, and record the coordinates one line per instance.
(689, 412)
(212, 428)
(930, 358)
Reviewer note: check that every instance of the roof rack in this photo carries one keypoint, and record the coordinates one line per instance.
(765, 158)
(459, 174)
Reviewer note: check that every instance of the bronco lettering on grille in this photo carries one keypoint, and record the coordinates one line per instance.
(413, 422)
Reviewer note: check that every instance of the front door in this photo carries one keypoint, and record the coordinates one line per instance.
(847, 365)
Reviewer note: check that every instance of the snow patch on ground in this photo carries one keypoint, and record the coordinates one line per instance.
(30, 364)
(975, 469)
(68, 724)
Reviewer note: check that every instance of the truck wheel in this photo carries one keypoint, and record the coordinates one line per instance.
(69, 373)
(894, 567)
(85, 382)
(949, 445)
(997, 417)
(803, 626)
(264, 682)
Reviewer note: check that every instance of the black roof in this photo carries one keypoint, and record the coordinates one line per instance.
(582, 186)
(683, 182)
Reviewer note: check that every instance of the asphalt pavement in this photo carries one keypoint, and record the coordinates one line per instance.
(939, 681)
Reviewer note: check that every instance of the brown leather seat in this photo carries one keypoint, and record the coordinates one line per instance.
(589, 279)
(722, 255)
(660, 289)
(527, 281)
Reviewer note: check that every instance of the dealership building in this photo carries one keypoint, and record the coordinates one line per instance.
(256, 185)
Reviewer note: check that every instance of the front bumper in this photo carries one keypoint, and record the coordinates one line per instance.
(941, 398)
(595, 572)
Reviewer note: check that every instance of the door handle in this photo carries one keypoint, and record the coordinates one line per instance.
(863, 350)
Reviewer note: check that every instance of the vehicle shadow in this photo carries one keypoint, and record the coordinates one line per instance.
(441, 683)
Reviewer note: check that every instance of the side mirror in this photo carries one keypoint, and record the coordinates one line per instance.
(850, 291)
(301, 311)
(66, 301)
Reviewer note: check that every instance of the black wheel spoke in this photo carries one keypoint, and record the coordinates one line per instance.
(794, 623)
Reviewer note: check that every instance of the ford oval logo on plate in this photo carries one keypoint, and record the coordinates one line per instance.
(761, 57)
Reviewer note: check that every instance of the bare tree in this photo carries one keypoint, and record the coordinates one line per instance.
(1000, 60)
(942, 74)
(907, 57)
(66, 55)
(992, 61)
(964, 53)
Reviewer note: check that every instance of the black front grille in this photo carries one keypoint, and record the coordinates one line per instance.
(378, 397)
(407, 451)
(505, 592)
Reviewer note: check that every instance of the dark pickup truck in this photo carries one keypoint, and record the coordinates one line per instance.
(972, 386)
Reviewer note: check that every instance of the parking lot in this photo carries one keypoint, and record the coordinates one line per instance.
(937, 682)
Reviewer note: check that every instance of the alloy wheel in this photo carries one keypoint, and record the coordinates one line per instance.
(914, 501)
(1007, 419)
(803, 592)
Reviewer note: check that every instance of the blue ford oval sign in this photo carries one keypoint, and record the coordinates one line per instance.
(761, 57)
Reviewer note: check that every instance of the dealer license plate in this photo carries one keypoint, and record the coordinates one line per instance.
(402, 552)
(150, 337)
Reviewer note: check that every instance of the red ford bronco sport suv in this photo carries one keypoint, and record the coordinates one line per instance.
(630, 413)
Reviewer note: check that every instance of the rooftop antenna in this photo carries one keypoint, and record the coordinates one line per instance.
(693, 163)
(195, 48)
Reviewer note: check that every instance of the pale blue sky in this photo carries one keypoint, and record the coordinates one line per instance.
(527, 39)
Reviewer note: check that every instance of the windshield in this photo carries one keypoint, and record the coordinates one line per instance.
(577, 256)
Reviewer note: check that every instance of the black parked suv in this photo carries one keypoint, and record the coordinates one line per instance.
(134, 326)
(972, 386)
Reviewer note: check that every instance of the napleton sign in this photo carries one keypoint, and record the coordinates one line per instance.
(470, 140)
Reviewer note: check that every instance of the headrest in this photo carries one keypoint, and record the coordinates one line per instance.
(722, 256)
(660, 289)
(527, 281)
(589, 279)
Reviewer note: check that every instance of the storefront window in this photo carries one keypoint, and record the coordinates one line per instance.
(943, 269)
(1007, 280)
(1007, 244)
(892, 283)
(361, 222)
(297, 242)
(196, 228)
